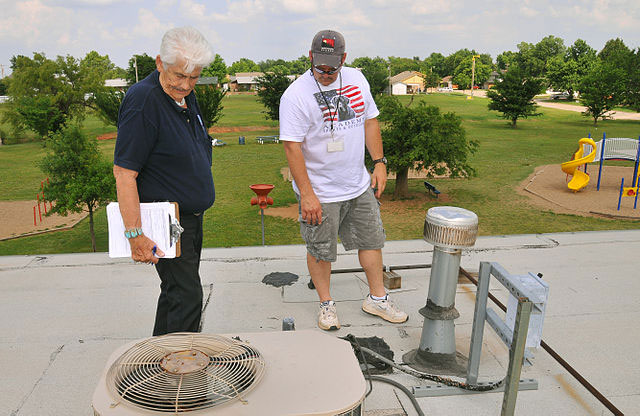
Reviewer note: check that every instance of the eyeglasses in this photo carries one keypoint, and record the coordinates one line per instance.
(329, 72)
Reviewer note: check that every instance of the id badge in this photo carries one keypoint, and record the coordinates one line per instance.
(337, 146)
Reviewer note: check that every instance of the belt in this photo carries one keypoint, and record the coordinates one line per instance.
(195, 214)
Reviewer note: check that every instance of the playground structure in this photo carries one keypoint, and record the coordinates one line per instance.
(616, 148)
(579, 179)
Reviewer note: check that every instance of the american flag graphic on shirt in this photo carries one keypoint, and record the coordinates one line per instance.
(344, 103)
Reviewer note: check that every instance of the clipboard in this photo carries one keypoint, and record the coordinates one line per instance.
(160, 222)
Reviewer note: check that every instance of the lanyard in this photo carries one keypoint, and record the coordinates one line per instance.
(325, 98)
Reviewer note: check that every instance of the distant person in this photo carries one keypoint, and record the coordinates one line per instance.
(327, 117)
(163, 153)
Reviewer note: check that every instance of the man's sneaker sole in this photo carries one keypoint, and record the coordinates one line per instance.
(379, 314)
(331, 328)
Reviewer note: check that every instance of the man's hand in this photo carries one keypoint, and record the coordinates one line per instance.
(144, 250)
(311, 209)
(379, 178)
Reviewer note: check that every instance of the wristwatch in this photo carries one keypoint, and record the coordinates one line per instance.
(381, 160)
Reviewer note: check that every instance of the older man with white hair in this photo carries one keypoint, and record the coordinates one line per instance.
(163, 153)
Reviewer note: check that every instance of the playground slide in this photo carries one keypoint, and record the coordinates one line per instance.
(580, 179)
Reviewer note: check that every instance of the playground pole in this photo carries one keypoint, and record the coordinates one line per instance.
(39, 212)
(620, 195)
(34, 216)
(585, 165)
(604, 137)
(635, 200)
(635, 168)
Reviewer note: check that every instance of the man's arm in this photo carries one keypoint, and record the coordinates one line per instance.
(310, 207)
(127, 189)
(373, 141)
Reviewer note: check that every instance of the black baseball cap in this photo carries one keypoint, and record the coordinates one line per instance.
(327, 48)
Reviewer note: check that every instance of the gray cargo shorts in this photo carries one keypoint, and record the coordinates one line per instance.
(357, 222)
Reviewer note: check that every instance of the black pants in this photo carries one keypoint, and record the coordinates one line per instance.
(180, 300)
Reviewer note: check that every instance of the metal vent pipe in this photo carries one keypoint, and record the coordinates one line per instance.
(449, 229)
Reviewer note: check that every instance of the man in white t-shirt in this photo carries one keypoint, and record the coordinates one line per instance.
(327, 118)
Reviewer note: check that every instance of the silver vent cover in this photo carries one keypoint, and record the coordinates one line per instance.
(450, 227)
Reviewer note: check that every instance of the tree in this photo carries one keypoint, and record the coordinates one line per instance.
(210, 103)
(107, 102)
(616, 53)
(243, 65)
(452, 61)
(462, 74)
(94, 69)
(632, 95)
(434, 63)
(506, 59)
(375, 71)
(217, 68)
(513, 95)
(145, 66)
(398, 65)
(564, 73)
(601, 89)
(41, 86)
(421, 136)
(300, 65)
(271, 86)
(79, 177)
(4, 87)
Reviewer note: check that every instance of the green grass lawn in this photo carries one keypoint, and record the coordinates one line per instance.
(506, 156)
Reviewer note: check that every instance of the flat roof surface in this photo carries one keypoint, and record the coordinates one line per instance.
(64, 315)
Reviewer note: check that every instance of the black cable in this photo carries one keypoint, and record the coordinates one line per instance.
(353, 340)
(405, 390)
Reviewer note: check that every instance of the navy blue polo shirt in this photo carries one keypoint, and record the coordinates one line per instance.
(167, 145)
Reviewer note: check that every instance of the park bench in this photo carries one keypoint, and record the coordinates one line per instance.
(268, 139)
(432, 189)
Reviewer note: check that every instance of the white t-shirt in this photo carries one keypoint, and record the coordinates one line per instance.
(306, 114)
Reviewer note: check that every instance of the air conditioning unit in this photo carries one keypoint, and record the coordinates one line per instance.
(263, 373)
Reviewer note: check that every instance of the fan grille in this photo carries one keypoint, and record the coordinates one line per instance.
(184, 372)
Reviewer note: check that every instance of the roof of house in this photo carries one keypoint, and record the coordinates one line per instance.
(207, 81)
(403, 76)
(245, 77)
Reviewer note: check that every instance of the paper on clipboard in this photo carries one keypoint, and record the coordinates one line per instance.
(159, 222)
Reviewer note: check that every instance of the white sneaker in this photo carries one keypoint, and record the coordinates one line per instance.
(328, 317)
(385, 309)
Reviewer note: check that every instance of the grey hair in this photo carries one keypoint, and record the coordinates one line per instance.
(188, 44)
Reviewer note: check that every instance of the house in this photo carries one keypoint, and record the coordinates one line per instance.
(207, 81)
(244, 81)
(446, 82)
(116, 83)
(407, 82)
(493, 78)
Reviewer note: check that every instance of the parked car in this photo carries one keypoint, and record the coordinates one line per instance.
(559, 95)
(445, 89)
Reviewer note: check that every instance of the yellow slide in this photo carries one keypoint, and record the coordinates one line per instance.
(580, 179)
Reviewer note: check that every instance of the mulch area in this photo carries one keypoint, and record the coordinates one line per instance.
(547, 188)
(17, 219)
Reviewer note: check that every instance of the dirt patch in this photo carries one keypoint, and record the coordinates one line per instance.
(547, 188)
(108, 136)
(17, 219)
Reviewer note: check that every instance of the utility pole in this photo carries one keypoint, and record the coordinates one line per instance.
(135, 65)
(2, 70)
(473, 72)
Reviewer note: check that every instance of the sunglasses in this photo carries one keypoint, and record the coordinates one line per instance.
(329, 72)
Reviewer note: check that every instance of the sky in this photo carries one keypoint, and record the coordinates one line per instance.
(272, 29)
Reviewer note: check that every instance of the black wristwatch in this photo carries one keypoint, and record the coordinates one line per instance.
(381, 160)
